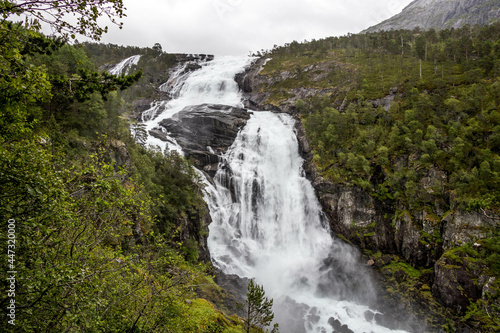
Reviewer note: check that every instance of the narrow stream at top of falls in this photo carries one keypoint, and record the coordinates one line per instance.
(267, 223)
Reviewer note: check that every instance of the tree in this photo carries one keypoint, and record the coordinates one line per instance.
(157, 48)
(259, 309)
(54, 13)
(140, 133)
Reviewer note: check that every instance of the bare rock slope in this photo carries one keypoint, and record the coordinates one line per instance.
(442, 14)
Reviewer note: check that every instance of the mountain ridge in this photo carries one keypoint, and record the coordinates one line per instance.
(438, 14)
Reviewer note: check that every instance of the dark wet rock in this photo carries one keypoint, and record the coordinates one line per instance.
(455, 283)
(369, 315)
(139, 106)
(160, 134)
(236, 287)
(192, 67)
(205, 132)
(313, 316)
(386, 320)
(291, 314)
(248, 80)
(338, 327)
(183, 57)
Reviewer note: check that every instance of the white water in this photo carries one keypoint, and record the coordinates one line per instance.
(124, 66)
(213, 83)
(270, 227)
(273, 231)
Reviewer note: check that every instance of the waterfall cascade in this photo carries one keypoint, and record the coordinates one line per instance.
(212, 83)
(123, 66)
(267, 222)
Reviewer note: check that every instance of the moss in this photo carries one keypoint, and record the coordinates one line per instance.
(277, 98)
(343, 238)
(203, 317)
(409, 270)
(208, 289)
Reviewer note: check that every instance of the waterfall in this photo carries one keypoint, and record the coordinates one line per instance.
(123, 66)
(267, 223)
(212, 83)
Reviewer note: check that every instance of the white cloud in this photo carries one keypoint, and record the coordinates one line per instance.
(240, 26)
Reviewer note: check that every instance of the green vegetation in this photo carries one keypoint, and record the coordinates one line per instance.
(153, 62)
(444, 115)
(55, 13)
(481, 263)
(106, 231)
(259, 310)
(413, 118)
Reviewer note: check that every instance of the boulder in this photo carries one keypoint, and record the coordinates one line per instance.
(205, 132)
(455, 283)
(338, 327)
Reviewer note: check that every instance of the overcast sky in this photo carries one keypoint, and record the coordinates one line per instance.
(237, 27)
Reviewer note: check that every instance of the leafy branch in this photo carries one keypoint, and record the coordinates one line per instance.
(54, 14)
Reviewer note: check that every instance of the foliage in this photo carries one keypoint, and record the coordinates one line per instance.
(22, 86)
(84, 262)
(259, 309)
(481, 260)
(443, 118)
(153, 62)
(100, 220)
(54, 14)
(411, 117)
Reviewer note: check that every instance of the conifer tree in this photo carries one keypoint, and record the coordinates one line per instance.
(259, 309)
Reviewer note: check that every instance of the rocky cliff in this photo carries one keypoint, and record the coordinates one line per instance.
(205, 132)
(439, 14)
(412, 251)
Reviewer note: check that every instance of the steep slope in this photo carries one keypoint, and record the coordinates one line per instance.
(439, 14)
(397, 166)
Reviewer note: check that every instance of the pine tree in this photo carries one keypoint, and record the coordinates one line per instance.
(259, 309)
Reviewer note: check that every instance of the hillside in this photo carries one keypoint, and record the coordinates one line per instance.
(399, 130)
(101, 234)
(438, 14)
(401, 134)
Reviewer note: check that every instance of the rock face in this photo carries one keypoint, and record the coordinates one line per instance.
(255, 86)
(456, 283)
(420, 237)
(182, 57)
(236, 287)
(423, 238)
(205, 132)
(249, 81)
(439, 14)
(465, 227)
